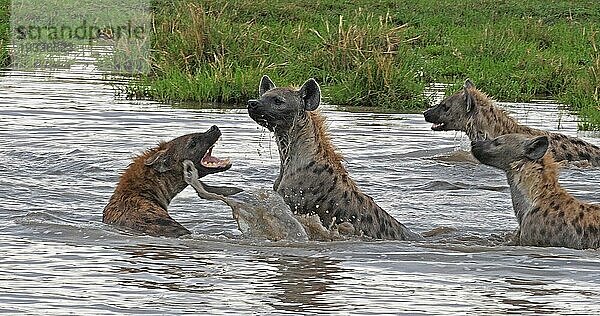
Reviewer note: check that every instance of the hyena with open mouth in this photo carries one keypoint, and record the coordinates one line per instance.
(474, 113)
(547, 214)
(154, 178)
(312, 179)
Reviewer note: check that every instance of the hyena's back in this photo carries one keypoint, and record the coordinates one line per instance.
(569, 148)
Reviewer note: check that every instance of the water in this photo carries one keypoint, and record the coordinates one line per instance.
(65, 140)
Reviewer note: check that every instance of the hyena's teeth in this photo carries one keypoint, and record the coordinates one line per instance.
(215, 164)
(437, 125)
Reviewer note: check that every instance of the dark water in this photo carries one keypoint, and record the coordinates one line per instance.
(65, 139)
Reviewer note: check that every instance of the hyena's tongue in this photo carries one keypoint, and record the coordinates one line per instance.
(210, 161)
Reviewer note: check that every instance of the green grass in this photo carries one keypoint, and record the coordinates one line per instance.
(4, 31)
(369, 53)
(516, 50)
(378, 53)
(45, 31)
(216, 51)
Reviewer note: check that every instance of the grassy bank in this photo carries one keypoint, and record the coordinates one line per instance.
(373, 53)
(217, 51)
(4, 31)
(378, 53)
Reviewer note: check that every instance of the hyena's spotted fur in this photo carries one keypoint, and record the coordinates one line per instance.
(547, 214)
(473, 112)
(312, 179)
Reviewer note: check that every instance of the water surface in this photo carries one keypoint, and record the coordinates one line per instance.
(66, 138)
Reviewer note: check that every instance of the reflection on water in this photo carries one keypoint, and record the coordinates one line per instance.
(304, 281)
(65, 139)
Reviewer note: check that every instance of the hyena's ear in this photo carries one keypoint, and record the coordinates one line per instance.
(310, 92)
(266, 84)
(469, 98)
(536, 148)
(469, 84)
(160, 161)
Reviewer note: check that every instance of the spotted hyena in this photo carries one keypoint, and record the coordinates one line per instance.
(474, 113)
(547, 214)
(312, 179)
(148, 185)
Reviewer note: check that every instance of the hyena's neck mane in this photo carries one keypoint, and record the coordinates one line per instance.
(308, 141)
(490, 121)
(534, 184)
(141, 180)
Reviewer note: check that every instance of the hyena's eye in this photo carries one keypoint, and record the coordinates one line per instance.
(279, 101)
(192, 143)
(445, 107)
(496, 142)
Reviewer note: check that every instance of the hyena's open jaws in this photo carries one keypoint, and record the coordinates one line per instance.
(547, 214)
(312, 179)
(154, 178)
(474, 113)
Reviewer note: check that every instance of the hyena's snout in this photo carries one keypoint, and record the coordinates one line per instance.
(253, 106)
(257, 112)
(428, 114)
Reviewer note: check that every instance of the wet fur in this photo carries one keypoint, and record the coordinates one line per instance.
(547, 214)
(141, 198)
(312, 179)
(145, 189)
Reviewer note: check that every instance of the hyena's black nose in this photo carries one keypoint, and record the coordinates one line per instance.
(213, 129)
(253, 105)
(427, 112)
